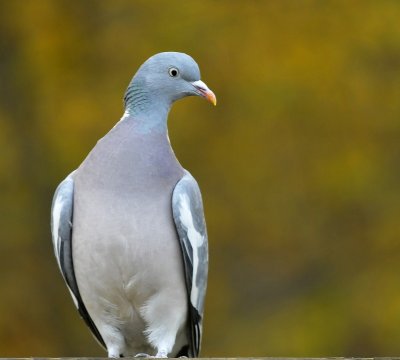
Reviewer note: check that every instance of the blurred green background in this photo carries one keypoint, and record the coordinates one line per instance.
(299, 164)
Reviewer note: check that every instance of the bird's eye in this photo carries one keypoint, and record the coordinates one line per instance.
(173, 72)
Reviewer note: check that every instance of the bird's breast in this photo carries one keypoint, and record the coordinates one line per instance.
(131, 163)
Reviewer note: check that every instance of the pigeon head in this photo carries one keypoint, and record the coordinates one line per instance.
(163, 79)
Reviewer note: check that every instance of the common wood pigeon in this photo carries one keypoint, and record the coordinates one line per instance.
(128, 227)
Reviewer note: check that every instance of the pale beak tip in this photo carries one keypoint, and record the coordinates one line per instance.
(212, 98)
(205, 92)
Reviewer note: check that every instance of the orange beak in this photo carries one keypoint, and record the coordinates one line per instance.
(205, 92)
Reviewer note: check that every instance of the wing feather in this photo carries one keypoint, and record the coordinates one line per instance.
(187, 207)
(61, 229)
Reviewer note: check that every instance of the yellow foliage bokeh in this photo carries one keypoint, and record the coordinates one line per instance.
(298, 164)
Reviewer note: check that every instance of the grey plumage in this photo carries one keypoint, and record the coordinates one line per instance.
(61, 227)
(187, 208)
(128, 225)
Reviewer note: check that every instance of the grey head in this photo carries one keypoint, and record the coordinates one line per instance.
(160, 81)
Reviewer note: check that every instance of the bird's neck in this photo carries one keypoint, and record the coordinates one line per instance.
(148, 111)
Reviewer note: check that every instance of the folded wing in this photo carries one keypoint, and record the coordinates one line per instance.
(187, 207)
(61, 229)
